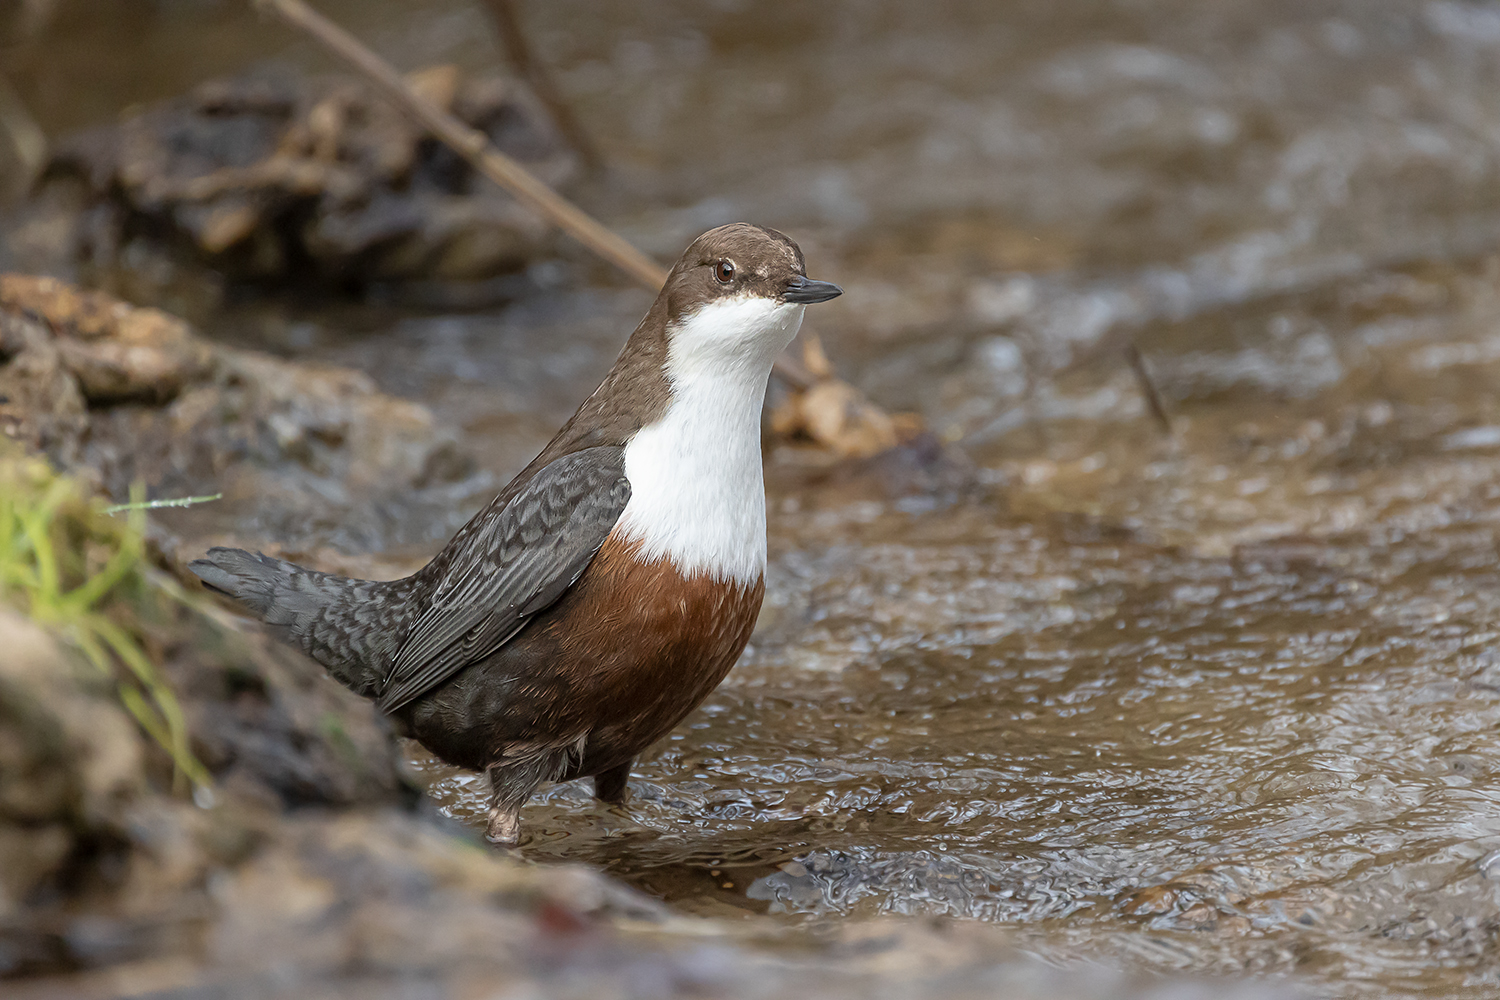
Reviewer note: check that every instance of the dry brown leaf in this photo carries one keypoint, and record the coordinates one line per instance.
(436, 84)
(814, 358)
(836, 415)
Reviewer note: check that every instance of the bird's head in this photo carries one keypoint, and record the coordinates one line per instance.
(736, 297)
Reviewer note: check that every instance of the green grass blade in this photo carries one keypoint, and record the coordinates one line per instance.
(121, 508)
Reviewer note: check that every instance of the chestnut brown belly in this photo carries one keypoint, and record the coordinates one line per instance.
(609, 669)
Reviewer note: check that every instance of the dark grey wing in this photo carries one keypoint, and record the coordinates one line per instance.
(516, 564)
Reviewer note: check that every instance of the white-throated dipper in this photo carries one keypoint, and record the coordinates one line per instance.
(612, 584)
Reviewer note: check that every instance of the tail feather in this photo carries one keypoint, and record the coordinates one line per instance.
(352, 627)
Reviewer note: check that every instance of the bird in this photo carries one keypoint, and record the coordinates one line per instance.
(611, 585)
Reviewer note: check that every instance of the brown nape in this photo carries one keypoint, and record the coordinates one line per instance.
(634, 393)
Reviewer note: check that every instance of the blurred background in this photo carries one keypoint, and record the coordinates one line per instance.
(1213, 699)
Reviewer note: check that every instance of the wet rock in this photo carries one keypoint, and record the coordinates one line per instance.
(271, 724)
(69, 760)
(383, 905)
(123, 394)
(99, 862)
(918, 466)
(259, 715)
(116, 352)
(312, 180)
(41, 403)
(919, 474)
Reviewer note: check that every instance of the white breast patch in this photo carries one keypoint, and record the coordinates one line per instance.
(697, 493)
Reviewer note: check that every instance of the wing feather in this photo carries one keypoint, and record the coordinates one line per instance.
(516, 564)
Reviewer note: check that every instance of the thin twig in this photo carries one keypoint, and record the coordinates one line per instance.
(1148, 387)
(535, 72)
(1120, 342)
(474, 146)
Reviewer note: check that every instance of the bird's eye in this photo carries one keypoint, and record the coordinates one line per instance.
(724, 271)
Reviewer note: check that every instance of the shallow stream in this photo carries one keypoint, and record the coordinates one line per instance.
(1225, 700)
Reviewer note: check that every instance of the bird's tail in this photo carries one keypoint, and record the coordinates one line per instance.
(352, 627)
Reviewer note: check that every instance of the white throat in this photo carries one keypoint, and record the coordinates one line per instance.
(696, 492)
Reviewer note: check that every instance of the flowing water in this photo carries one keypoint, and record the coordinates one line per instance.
(1226, 700)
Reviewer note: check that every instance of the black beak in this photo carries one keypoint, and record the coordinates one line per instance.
(805, 290)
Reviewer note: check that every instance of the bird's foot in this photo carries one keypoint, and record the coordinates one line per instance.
(505, 827)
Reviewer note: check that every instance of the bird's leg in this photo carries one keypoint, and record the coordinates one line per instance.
(510, 792)
(514, 778)
(612, 785)
(505, 825)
